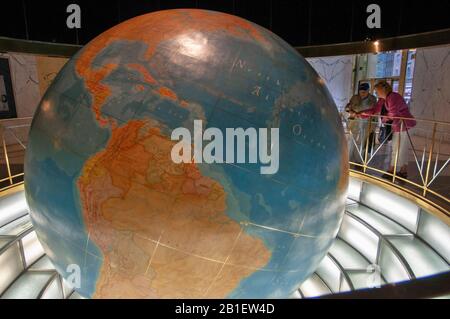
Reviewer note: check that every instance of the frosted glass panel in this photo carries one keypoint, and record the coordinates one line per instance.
(361, 280)
(43, 263)
(32, 248)
(75, 295)
(12, 207)
(344, 285)
(381, 223)
(67, 289)
(4, 242)
(436, 234)
(354, 189)
(10, 266)
(422, 259)
(391, 267)
(329, 273)
(397, 208)
(347, 256)
(314, 287)
(53, 291)
(27, 286)
(360, 237)
(16, 227)
(296, 295)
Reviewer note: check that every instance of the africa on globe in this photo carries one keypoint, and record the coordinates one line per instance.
(106, 195)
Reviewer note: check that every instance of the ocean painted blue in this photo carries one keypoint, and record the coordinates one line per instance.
(295, 212)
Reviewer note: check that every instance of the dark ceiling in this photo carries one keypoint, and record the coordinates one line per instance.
(301, 22)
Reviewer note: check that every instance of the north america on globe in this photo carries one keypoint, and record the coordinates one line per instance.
(105, 193)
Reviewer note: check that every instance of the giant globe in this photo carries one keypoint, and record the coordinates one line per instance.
(112, 206)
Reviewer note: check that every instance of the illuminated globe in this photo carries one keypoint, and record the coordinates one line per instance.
(107, 198)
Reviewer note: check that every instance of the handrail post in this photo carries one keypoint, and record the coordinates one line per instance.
(394, 176)
(367, 144)
(5, 152)
(430, 157)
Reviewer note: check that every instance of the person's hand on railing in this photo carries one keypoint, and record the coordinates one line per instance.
(356, 115)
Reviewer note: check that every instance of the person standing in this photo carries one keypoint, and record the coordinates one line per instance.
(402, 120)
(359, 127)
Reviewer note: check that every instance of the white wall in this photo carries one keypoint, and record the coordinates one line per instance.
(25, 82)
(431, 84)
(30, 77)
(337, 71)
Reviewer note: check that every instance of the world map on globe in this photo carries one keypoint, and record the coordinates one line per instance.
(105, 195)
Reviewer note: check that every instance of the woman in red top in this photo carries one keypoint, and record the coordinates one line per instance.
(396, 108)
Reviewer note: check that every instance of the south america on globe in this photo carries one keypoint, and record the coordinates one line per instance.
(106, 195)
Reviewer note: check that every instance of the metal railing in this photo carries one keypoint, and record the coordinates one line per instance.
(14, 136)
(427, 155)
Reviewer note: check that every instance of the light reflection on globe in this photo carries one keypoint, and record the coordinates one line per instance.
(105, 195)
